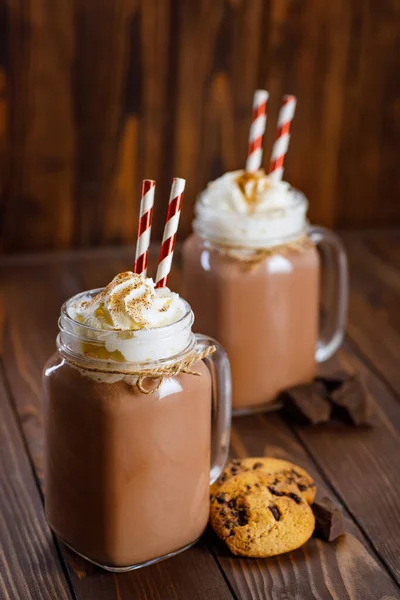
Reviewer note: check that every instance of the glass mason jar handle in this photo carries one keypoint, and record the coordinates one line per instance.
(218, 365)
(334, 291)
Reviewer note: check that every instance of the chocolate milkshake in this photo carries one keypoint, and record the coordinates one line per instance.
(251, 272)
(128, 425)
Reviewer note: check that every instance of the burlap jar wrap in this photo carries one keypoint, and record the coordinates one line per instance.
(185, 365)
(250, 258)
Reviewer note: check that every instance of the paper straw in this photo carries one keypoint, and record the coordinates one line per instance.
(281, 143)
(170, 230)
(257, 129)
(145, 217)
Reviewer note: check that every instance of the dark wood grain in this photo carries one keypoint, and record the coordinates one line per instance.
(374, 326)
(362, 464)
(354, 567)
(190, 575)
(29, 564)
(96, 95)
(38, 205)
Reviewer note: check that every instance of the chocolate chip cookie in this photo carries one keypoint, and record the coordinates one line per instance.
(285, 473)
(256, 518)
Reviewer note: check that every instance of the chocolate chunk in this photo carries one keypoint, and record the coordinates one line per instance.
(307, 404)
(278, 493)
(329, 524)
(351, 402)
(334, 380)
(275, 492)
(257, 465)
(294, 497)
(243, 516)
(275, 511)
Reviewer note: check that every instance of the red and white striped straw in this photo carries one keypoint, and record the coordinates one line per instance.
(145, 217)
(170, 229)
(257, 129)
(282, 139)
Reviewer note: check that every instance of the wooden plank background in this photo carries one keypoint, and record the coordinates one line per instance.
(97, 94)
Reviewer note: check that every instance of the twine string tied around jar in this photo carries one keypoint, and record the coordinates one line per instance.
(257, 256)
(185, 365)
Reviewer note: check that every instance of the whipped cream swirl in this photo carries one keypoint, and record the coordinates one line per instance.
(129, 321)
(129, 303)
(247, 193)
(250, 209)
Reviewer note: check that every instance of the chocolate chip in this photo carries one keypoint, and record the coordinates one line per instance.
(221, 498)
(275, 511)
(307, 404)
(294, 497)
(232, 503)
(234, 470)
(275, 492)
(248, 487)
(243, 516)
(257, 485)
(257, 465)
(302, 487)
(329, 524)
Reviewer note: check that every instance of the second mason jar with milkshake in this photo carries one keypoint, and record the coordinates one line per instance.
(253, 273)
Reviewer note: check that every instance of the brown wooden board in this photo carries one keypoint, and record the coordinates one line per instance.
(348, 568)
(362, 464)
(30, 567)
(96, 95)
(374, 325)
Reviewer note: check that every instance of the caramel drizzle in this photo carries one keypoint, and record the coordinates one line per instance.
(253, 178)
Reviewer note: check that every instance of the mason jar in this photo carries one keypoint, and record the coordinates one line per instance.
(129, 457)
(272, 289)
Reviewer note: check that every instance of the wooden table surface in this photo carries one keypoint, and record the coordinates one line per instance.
(358, 468)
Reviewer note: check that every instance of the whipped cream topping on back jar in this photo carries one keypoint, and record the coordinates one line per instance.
(250, 210)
